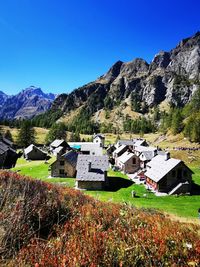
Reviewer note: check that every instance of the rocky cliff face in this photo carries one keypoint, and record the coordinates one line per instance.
(28, 103)
(172, 77)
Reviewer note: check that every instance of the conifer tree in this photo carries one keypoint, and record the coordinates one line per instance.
(177, 122)
(26, 134)
(57, 131)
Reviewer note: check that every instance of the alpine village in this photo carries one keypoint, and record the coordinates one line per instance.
(109, 174)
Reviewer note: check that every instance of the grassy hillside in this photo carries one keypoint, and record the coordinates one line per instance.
(155, 139)
(39, 132)
(45, 225)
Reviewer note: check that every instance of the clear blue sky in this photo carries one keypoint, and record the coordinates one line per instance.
(59, 45)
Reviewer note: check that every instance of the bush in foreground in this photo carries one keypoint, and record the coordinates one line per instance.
(44, 225)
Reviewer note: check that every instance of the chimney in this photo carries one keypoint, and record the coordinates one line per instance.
(167, 155)
(155, 152)
(89, 165)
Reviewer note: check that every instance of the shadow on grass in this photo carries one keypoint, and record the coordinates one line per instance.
(116, 183)
(195, 189)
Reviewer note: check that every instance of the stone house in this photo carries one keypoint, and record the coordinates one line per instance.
(92, 172)
(145, 157)
(128, 162)
(65, 165)
(168, 175)
(145, 154)
(8, 156)
(34, 153)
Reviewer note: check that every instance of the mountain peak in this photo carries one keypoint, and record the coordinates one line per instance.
(113, 71)
(171, 77)
(33, 89)
(29, 102)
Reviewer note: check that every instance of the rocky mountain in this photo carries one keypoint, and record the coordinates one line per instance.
(3, 98)
(172, 77)
(28, 103)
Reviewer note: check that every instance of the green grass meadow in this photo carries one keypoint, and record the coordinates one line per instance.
(38, 169)
(181, 206)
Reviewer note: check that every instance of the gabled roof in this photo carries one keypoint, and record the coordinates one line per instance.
(99, 135)
(57, 143)
(59, 149)
(92, 147)
(131, 142)
(159, 167)
(145, 148)
(119, 149)
(31, 148)
(139, 142)
(146, 155)
(7, 141)
(3, 148)
(125, 157)
(99, 164)
(126, 142)
(71, 157)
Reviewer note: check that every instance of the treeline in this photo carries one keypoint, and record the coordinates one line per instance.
(82, 123)
(141, 126)
(44, 120)
(47, 119)
(185, 120)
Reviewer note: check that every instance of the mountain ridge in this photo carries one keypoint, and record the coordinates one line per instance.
(26, 104)
(172, 77)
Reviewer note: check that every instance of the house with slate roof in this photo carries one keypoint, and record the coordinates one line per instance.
(59, 145)
(119, 151)
(131, 143)
(128, 162)
(7, 142)
(92, 172)
(65, 165)
(34, 153)
(168, 175)
(99, 139)
(8, 156)
(91, 149)
(145, 154)
(87, 148)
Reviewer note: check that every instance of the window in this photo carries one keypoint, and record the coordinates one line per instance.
(134, 161)
(61, 172)
(62, 163)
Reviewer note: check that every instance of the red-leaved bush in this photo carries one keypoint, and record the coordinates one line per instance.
(44, 225)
